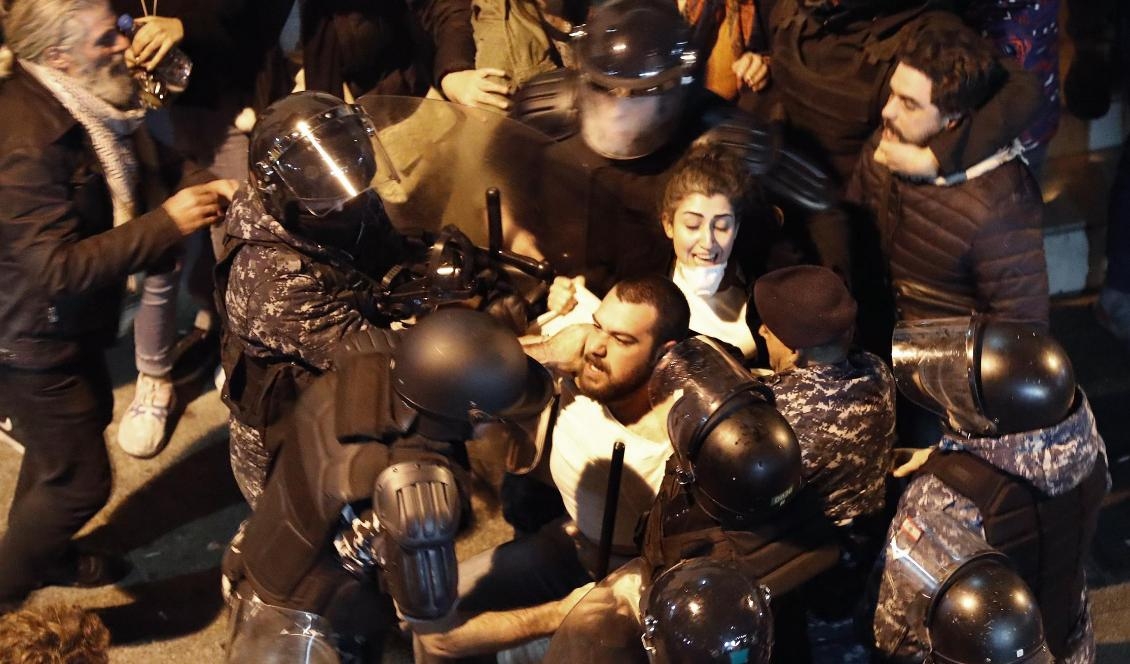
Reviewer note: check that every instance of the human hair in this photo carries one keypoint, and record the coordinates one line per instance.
(673, 314)
(713, 169)
(53, 635)
(961, 65)
(31, 27)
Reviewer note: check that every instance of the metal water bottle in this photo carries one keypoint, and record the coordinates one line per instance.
(167, 80)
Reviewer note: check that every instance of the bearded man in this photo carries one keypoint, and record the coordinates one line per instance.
(970, 241)
(82, 205)
(507, 595)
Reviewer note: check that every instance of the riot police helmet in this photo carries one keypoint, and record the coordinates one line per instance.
(733, 449)
(635, 64)
(465, 367)
(987, 614)
(313, 152)
(986, 377)
(706, 610)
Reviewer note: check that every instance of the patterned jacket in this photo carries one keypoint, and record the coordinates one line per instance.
(284, 297)
(1054, 460)
(844, 417)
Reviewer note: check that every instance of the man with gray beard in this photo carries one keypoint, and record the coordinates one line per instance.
(74, 169)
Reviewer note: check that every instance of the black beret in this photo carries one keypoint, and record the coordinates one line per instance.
(804, 305)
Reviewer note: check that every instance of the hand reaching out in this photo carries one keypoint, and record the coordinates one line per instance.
(480, 88)
(198, 206)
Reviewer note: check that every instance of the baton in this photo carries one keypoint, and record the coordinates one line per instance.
(611, 498)
(494, 222)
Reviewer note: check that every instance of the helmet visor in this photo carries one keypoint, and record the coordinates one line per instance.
(933, 364)
(923, 554)
(604, 628)
(330, 160)
(697, 377)
(269, 634)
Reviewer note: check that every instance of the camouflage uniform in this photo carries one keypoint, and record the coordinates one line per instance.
(844, 417)
(282, 309)
(1054, 460)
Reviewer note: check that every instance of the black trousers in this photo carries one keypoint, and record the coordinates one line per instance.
(59, 416)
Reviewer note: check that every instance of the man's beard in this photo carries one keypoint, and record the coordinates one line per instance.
(902, 138)
(612, 389)
(110, 81)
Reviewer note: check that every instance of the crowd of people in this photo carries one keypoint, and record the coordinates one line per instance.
(762, 336)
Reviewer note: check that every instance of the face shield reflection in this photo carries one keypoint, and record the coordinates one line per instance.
(269, 634)
(934, 366)
(331, 159)
(699, 377)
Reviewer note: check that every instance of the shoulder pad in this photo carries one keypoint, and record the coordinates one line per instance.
(548, 103)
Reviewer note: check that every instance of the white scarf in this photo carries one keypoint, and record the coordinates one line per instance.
(110, 131)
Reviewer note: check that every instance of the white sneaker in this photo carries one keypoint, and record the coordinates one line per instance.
(141, 432)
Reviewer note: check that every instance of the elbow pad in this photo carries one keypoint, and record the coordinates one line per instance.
(418, 509)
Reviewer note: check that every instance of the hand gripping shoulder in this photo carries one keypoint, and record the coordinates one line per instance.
(418, 508)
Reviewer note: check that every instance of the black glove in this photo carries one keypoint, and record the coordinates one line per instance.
(548, 103)
(783, 169)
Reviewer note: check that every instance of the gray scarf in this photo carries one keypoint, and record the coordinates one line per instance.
(110, 130)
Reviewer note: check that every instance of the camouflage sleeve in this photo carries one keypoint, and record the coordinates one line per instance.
(894, 636)
(285, 310)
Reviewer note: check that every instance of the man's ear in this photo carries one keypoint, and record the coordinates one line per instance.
(57, 58)
(952, 121)
(661, 350)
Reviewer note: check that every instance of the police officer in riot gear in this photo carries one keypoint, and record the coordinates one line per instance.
(704, 610)
(629, 111)
(698, 610)
(1020, 460)
(304, 242)
(972, 604)
(310, 256)
(364, 494)
(987, 377)
(733, 489)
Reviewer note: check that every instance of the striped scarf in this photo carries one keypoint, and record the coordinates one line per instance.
(110, 129)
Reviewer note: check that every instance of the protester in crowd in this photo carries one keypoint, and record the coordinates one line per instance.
(972, 241)
(84, 202)
(720, 227)
(54, 635)
(602, 372)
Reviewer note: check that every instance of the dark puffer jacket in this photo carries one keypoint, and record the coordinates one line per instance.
(950, 250)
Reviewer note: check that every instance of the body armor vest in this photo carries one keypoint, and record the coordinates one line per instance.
(791, 547)
(1046, 537)
(259, 389)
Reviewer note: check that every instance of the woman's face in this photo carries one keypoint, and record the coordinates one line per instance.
(703, 229)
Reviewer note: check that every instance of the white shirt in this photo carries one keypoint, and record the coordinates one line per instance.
(579, 462)
(721, 315)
